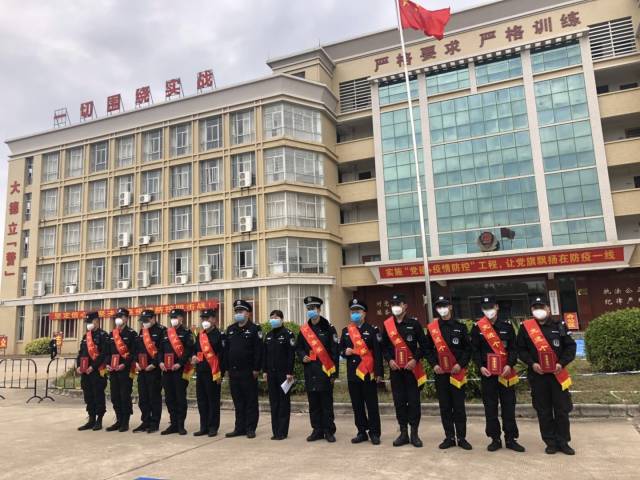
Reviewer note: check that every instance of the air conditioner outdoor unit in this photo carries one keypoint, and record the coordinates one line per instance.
(246, 224)
(246, 273)
(144, 240)
(38, 289)
(244, 179)
(144, 198)
(124, 239)
(143, 278)
(70, 288)
(204, 273)
(181, 279)
(124, 200)
(123, 284)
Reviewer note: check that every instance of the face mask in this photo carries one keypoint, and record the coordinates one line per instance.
(443, 311)
(490, 314)
(396, 310)
(175, 322)
(146, 325)
(239, 317)
(275, 322)
(119, 322)
(356, 317)
(312, 314)
(90, 326)
(540, 314)
(206, 324)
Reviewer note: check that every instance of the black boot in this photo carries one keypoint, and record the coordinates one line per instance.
(462, 443)
(181, 429)
(514, 445)
(141, 428)
(447, 443)
(115, 426)
(360, 437)
(98, 425)
(89, 425)
(315, 435)
(415, 439)
(496, 444)
(124, 424)
(200, 432)
(403, 438)
(169, 430)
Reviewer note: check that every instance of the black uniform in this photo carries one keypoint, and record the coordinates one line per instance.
(318, 385)
(53, 348)
(242, 357)
(150, 383)
(492, 390)
(364, 393)
(121, 381)
(404, 385)
(208, 389)
(93, 384)
(552, 404)
(175, 387)
(277, 363)
(451, 398)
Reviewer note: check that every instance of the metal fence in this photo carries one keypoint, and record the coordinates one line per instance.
(19, 373)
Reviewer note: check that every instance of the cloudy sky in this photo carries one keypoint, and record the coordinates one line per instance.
(63, 52)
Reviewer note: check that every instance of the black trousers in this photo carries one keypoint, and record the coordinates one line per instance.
(493, 392)
(406, 398)
(553, 405)
(175, 396)
(321, 411)
(150, 396)
(244, 392)
(364, 400)
(93, 385)
(121, 385)
(452, 410)
(208, 395)
(280, 404)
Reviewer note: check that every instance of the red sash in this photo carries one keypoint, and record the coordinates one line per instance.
(92, 348)
(210, 355)
(398, 342)
(317, 348)
(459, 379)
(123, 350)
(149, 344)
(542, 345)
(360, 347)
(178, 347)
(492, 338)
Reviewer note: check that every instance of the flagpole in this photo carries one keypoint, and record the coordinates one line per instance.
(423, 239)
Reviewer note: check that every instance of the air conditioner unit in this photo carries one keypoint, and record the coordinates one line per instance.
(246, 224)
(123, 284)
(144, 240)
(277, 268)
(124, 239)
(244, 179)
(181, 279)
(38, 289)
(124, 200)
(143, 278)
(144, 198)
(246, 273)
(204, 273)
(70, 288)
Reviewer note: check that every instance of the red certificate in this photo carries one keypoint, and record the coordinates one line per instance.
(403, 356)
(495, 363)
(143, 360)
(84, 364)
(115, 361)
(446, 361)
(200, 356)
(548, 361)
(169, 361)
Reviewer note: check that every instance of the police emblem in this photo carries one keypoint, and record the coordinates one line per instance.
(455, 340)
(556, 342)
(409, 338)
(292, 341)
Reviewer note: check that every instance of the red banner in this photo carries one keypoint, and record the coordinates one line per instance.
(499, 264)
(4, 341)
(111, 312)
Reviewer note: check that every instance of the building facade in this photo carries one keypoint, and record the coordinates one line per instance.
(303, 183)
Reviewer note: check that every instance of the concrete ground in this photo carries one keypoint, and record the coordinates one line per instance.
(41, 441)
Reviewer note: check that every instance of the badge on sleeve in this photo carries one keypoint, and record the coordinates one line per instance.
(335, 338)
(409, 338)
(455, 340)
(260, 334)
(292, 341)
(379, 337)
(556, 342)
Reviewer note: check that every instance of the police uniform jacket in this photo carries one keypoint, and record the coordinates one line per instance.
(243, 348)
(315, 378)
(130, 339)
(186, 337)
(372, 338)
(481, 347)
(456, 335)
(412, 333)
(556, 334)
(101, 339)
(216, 339)
(279, 351)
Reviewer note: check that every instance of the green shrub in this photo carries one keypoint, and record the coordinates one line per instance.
(39, 346)
(612, 341)
(298, 370)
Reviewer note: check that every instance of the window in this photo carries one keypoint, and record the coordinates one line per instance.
(213, 255)
(573, 194)
(27, 207)
(121, 267)
(296, 255)
(628, 86)
(72, 199)
(122, 226)
(289, 299)
(566, 146)
(447, 81)
(69, 326)
(561, 99)
(152, 264)
(289, 209)
(97, 234)
(179, 264)
(97, 195)
(95, 274)
(636, 181)
(126, 149)
(243, 165)
(555, 57)
(293, 165)
(45, 274)
(294, 121)
(459, 243)
(49, 204)
(211, 133)
(70, 274)
(99, 157)
(612, 38)
(394, 91)
(47, 242)
(71, 238)
(20, 312)
(180, 139)
(123, 185)
(242, 127)
(211, 218)
(25, 244)
(23, 281)
(244, 257)
(180, 223)
(578, 231)
(152, 184)
(498, 70)
(151, 224)
(43, 325)
(28, 167)
(211, 175)
(243, 207)
(50, 166)
(152, 145)
(600, 89)
(75, 162)
(355, 95)
(181, 180)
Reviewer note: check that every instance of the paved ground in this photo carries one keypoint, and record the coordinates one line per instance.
(41, 441)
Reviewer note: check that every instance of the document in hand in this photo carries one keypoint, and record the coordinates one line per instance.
(286, 385)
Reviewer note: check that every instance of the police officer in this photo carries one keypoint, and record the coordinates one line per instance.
(149, 374)
(278, 360)
(208, 352)
(550, 399)
(122, 347)
(497, 389)
(318, 384)
(364, 371)
(93, 354)
(404, 384)
(53, 347)
(450, 397)
(177, 346)
(243, 358)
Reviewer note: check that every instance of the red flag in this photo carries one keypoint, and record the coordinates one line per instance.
(432, 23)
